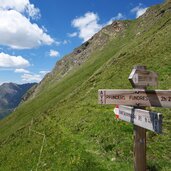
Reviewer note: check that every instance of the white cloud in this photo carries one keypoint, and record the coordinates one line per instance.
(44, 72)
(87, 25)
(57, 43)
(16, 29)
(22, 6)
(54, 53)
(31, 77)
(65, 42)
(119, 16)
(21, 70)
(139, 10)
(33, 12)
(19, 33)
(74, 34)
(7, 61)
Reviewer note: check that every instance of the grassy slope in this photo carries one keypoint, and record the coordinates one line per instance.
(79, 133)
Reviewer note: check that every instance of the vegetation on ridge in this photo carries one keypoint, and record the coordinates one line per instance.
(63, 128)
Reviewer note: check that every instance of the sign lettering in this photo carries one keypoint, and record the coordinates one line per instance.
(155, 98)
(143, 118)
(140, 77)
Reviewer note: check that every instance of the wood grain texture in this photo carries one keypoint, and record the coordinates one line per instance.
(143, 78)
(136, 97)
(139, 148)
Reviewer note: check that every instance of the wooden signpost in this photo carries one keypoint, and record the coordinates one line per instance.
(136, 97)
(140, 77)
(142, 119)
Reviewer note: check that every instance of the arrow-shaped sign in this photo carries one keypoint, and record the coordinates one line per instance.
(140, 77)
(143, 118)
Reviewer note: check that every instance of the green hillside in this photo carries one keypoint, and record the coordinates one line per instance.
(61, 127)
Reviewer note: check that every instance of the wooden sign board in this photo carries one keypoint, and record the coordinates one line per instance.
(143, 118)
(138, 97)
(143, 78)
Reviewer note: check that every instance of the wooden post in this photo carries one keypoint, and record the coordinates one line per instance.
(139, 137)
(139, 148)
(140, 78)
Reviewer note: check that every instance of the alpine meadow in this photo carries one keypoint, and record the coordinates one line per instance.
(61, 127)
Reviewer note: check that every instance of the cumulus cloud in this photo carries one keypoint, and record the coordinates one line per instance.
(44, 72)
(22, 6)
(57, 43)
(16, 29)
(31, 77)
(19, 33)
(21, 70)
(8, 61)
(65, 42)
(139, 10)
(119, 16)
(33, 12)
(54, 53)
(87, 25)
(74, 34)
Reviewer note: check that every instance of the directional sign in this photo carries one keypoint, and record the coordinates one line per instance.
(137, 97)
(143, 118)
(140, 77)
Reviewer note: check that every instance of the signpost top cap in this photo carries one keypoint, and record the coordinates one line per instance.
(140, 67)
(140, 77)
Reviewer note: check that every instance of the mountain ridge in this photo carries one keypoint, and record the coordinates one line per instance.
(63, 121)
(99, 40)
(82, 53)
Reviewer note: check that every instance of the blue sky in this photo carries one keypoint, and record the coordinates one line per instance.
(35, 34)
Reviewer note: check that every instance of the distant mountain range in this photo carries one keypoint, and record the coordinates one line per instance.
(11, 95)
(61, 126)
